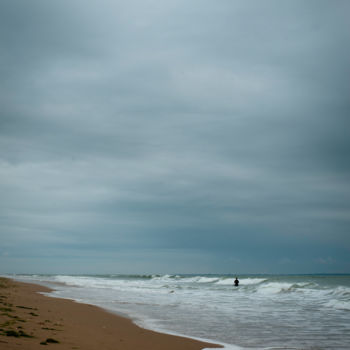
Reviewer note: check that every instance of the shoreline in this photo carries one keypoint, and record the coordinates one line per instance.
(32, 320)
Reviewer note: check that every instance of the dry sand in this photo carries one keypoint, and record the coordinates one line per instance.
(29, 320)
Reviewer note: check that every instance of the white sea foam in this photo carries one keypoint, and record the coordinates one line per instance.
(207, 279)
(274, 288)
(198, 279)
(151, 324)
(162, 278)
(250, 281)
(226, 282)
(242, 282)
(338, 304)
(343, 292)
(83, 281)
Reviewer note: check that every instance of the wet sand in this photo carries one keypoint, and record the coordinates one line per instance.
(29, 320)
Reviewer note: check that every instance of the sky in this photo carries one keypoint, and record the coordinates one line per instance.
(172, 136)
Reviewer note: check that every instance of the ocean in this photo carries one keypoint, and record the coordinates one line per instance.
(306, 312)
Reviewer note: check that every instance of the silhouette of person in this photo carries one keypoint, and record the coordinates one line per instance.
(236, 282)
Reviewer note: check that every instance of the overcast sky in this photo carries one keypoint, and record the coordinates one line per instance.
(174, 136)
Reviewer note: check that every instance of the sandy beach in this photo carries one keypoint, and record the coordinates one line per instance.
(29, 320)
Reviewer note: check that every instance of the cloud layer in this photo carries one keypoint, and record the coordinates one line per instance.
(173, 136)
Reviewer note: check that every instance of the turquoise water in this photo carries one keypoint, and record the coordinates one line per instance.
(306, 312)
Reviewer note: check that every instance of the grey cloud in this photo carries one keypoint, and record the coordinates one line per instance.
(218, 130)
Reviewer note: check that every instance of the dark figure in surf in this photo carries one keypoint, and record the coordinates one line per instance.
(236, 282)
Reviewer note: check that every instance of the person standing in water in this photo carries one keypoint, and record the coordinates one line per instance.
(236, 282)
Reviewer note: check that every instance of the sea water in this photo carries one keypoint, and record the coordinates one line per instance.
(306, 312)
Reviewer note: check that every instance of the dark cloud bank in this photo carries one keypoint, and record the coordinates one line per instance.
(174, 136)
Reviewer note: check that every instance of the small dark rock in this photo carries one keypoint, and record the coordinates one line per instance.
(12, 334)
(51, 340)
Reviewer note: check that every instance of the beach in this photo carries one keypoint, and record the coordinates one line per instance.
(82, 311)
(29, 320)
